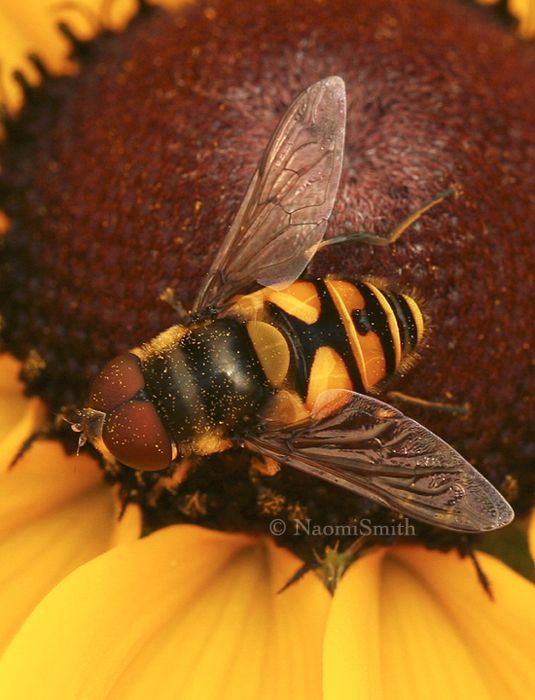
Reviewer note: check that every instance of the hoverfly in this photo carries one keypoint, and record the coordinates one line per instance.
(286, 371)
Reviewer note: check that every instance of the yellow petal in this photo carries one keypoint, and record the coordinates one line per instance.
(55, 515)
(20, 417)
(129, 527)
(185, 613)
(408, 623)
(31, 27)
(42, 481)
(25, 30)
(531, 535)
(524, 11)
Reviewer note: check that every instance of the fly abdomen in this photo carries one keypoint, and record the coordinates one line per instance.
(394, 319)
(344, 335)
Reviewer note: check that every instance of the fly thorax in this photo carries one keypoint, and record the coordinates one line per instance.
(209, 384)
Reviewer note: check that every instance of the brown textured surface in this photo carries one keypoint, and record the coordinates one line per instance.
(141, 160)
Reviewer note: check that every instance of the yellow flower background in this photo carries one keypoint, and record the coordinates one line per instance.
(89, 610)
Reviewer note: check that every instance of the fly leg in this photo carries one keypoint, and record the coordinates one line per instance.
(397, 398)
(168, 295)
(372, 239)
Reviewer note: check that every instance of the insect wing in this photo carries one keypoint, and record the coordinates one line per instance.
(288, 203)
(374, 450)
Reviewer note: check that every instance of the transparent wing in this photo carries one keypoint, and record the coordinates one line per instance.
(374, 450)
(289, 200)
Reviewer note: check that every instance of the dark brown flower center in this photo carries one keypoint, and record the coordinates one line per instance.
(121, 181)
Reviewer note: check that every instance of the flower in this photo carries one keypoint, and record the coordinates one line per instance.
(191, 613)
(523, 11)
(406, 622)
(90, 610)
(55, 511)
(185, 612)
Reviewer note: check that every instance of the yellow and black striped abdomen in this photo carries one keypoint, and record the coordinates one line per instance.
(344, 335)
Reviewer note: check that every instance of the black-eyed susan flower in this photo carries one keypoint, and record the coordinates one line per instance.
(55, 512)
(117, 181)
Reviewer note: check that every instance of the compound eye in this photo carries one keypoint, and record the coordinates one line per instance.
(117, 382)
(134, 434)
